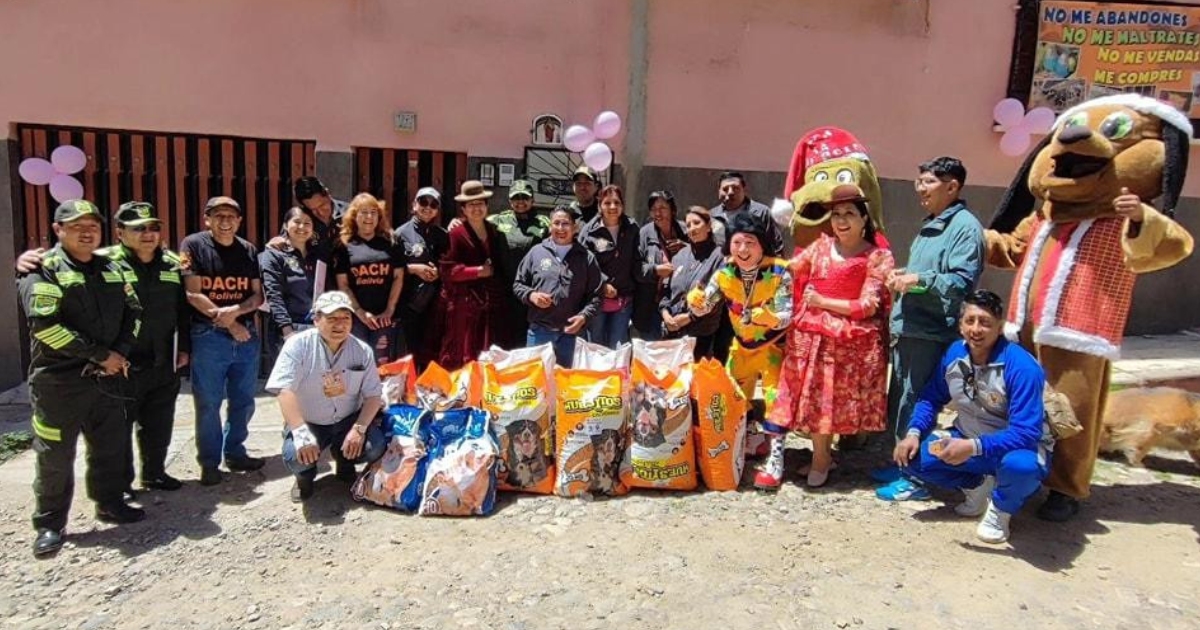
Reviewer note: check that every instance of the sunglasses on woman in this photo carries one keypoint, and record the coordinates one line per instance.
(426, 202)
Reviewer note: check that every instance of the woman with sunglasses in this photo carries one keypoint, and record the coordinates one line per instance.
(424, 241)
(288, 274)
(661, 237)
(370, 269)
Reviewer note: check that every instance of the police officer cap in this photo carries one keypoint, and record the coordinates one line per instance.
(133, 213)
(68, 211)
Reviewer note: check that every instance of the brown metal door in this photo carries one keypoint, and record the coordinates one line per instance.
(395, 175)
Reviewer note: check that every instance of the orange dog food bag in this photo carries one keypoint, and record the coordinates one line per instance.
(721, 427)
(590, 432)
(517, 397)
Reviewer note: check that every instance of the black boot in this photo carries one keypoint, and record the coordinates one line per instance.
(244, 463)
(161, 481)
(302, 489)
(119, 513)
(47, 543)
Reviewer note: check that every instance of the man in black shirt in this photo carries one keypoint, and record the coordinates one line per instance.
(83, 322)
(221, 275)
(326, 212)
(586, 184)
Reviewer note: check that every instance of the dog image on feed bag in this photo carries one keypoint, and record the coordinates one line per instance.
(591, 429)
(460, 479)
(1139, 420)
(661, 454)
(395, 479)
(518, 399)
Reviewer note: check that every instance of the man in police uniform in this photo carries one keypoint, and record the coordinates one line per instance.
(160, 351)
(83, 319)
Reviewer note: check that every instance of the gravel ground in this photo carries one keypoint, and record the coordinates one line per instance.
(241, 555)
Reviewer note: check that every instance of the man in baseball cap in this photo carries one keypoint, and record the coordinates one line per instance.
(585, 184)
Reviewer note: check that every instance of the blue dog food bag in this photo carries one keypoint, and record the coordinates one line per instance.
(395, 479)
(460, 479)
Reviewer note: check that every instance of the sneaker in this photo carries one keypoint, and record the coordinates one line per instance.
(210, 476)
(244, 463)
(119, 513)
(161, 481)
(887, 474)
(977, 498)
(903, 490)
(770, 473)
(1058, 508)
(993, 527)
(302, 489)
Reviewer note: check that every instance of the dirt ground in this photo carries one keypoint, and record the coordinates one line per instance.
(241, 555)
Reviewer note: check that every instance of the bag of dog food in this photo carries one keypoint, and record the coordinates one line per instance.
(460, 479)
(590, 432)
(395, 479)
(665, 353)
(517, 397)
(504, 359)
(438, 389)
(399, 381)
(593, 356)
(721, 426)
(660, 453)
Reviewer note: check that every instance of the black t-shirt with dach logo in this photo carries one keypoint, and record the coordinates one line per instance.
(226, 271)
(369, 266)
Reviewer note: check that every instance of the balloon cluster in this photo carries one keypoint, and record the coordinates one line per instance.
(64, 162)
(1019, 125)
(597, 155)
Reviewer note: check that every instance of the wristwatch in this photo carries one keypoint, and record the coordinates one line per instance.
(361, 429)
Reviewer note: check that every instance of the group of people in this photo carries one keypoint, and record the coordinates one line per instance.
(344, 292)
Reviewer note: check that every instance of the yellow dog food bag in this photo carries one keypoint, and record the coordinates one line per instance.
(518, 399)
(721, 427)
(590, 432)
(660, 453)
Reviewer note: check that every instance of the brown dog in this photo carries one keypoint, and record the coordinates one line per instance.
(1141, 419)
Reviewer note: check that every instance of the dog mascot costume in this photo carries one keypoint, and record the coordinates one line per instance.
(824, 159)
(1076, 257)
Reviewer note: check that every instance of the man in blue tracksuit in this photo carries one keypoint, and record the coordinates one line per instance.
(998, 450)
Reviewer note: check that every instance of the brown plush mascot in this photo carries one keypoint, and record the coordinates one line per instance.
(1077, 255)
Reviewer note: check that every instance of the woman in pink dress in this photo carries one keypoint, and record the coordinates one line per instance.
(834, 375)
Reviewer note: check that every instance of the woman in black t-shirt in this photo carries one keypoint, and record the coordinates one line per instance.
(370, 268)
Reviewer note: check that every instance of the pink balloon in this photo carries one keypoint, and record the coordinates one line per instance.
(577, 138)
(1009, 113)
(1038, 120)
(607, 125)
(65, 188)
(36, 171)
(1014, 143)
(598, 156)
(68, 159)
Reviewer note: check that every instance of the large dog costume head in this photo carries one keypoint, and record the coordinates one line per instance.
(824, 159)
(1093, 151)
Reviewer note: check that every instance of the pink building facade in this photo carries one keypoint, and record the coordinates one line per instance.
(702, 85)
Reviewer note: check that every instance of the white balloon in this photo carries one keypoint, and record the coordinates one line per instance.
(607, 125)
(577, 138)
(598, 156)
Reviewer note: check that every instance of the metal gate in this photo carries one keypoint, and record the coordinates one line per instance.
(177, 172)
(395, 175)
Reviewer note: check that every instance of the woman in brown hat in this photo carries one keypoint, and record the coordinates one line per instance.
(473, 295)
(833, 379)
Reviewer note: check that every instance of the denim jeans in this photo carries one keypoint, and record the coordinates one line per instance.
(1019, 474)
(331, 436)
(610, 329)
(221, 368)
(564, 343)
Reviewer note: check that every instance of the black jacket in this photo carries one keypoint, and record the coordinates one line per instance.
(165, 309)
(619, 260)
(287, 280)
(649, 291)
(574, 284)
(694, 265)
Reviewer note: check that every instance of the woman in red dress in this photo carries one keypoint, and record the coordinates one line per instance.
(834, 374)
(473, 295)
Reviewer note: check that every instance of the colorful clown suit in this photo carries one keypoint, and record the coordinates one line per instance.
(759, 303)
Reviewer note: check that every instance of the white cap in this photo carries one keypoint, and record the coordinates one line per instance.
(429, 191)
(332, 301)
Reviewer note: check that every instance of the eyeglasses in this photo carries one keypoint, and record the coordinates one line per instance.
(149, 227)
(426, 202)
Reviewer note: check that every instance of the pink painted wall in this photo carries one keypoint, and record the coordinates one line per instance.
(731, 84)
(475, 71)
